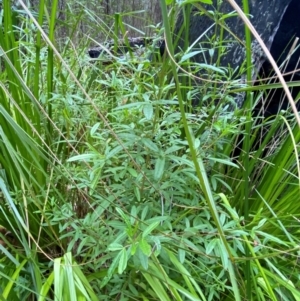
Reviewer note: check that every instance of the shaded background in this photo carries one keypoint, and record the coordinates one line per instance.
(95, 18)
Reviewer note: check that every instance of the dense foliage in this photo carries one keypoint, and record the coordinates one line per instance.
(114, 187)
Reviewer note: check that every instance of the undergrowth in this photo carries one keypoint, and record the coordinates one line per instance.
(117, 183)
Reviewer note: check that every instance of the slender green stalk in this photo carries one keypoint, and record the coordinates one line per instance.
(198, 162)
(50, 84)
(246, 145)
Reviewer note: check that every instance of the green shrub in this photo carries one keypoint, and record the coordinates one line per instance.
(113, 187)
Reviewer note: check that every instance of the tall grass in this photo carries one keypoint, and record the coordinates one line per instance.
(114, 188)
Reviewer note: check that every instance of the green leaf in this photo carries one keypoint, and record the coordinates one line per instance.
(137, 193)
(13, 278)
(189, 280)
(225, 162)
(260, 224)
(223, 254)
(271, 237)
(83, 157)
(132, 172)
(148, 111)
(94, 128)
(144, 260)
(212, 68)
(70, 288)
(181, 254)
(188, 55)
(168, 2)
(123, 261)
(133, 215)
(150, 144)
(46, 287)
(144, 212)
(145, 247)
(111, 270)
(149, 229)
(115, 247)
(196, 1)
(157, 287)
(211, 245)
(159, 167)
(124, 216)
(133, 249)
